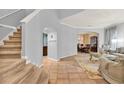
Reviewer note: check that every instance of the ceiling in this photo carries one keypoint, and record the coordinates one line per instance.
(62, 13)
(4, 12)
(97, 18)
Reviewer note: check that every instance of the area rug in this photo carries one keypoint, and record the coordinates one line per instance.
(90, 68)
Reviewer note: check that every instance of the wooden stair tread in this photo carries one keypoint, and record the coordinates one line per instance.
(12, 40)
(17, 32)
(9, 52)
(14, 36)
(10, 46)
(18, 76)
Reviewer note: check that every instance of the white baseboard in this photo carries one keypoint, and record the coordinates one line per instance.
(68, 55)
(53, 59)
(41, 65)
(27, 60)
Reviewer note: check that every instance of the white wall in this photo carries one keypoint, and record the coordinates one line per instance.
(13, 19)
(49, 20)
(4, 12)
(32, 40)
(69, 38)
(52, 45)
(66, 37)
(67, 42)
(4, 32)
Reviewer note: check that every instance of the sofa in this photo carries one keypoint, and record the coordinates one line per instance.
(112, 71)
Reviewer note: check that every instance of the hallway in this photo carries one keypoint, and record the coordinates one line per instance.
(67, 71)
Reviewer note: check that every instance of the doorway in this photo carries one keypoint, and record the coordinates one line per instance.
(87, 41)
(45, 44)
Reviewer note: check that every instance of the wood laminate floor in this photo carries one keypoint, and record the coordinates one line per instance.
(67, 71)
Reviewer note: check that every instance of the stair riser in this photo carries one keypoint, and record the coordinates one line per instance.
(10, 49)
(16, 34)
(18, 29)
(12, 43)
(14, 38)
(7, 56)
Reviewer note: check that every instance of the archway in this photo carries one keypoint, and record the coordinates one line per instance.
(87, 41)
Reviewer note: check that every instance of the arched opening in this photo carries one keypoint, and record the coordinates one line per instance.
(87, 41)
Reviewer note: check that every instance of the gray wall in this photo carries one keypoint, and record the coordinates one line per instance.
(32, 40)
(52, 45)
(4, 12)
(14, 18)
(33, 30)
(66, 38)
(4, 32)
(67, 41)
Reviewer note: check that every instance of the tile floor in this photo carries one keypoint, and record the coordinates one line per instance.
(67, 71)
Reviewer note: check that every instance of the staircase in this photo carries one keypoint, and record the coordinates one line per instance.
(13, 69)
